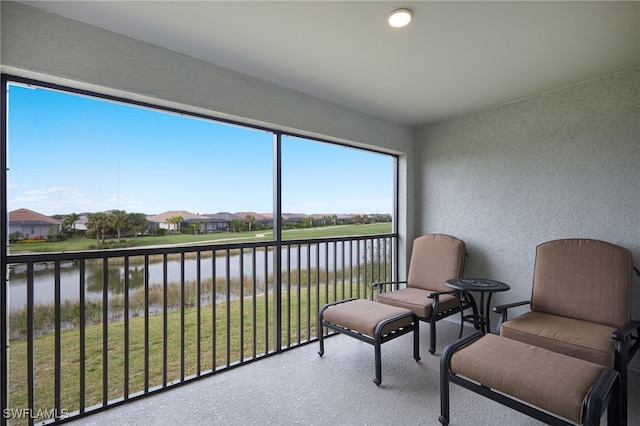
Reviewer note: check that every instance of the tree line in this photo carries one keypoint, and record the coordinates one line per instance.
(119, 223)
(250, 223)
(99, 225)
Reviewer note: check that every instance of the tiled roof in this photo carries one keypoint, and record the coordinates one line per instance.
(31, 217)
(187, 216)
(223, 216)
(227, 216)
(292, 216)
(258, 216)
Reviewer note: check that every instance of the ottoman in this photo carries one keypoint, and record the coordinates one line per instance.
(371, 322)
(548, 386)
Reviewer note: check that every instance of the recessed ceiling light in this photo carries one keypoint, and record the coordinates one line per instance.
(399, 18)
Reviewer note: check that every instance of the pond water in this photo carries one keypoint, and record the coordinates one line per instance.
(326, 258)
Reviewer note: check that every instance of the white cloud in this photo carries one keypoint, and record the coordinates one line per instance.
(49, 201)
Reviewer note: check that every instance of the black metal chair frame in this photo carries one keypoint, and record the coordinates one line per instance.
(378, 339)
(600, 397)
(465, 299)
(626, 346)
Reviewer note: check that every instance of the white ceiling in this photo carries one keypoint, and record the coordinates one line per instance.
(453, 58)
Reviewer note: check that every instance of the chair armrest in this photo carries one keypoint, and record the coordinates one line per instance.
(435, 294)
(626, 343)
(380, 285)
(450, 349)
(465, 299)
(624, 331)
(503, 310)
(499, 309)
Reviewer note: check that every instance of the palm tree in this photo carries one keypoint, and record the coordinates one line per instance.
(249, 220)
(118, 221)
(69, 222)
(137, 223)
(174, 220)
(100, 224)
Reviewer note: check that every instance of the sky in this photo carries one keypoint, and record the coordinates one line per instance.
(75, 154)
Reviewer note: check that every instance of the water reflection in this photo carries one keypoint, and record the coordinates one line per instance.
(256, 265)
(116, 281)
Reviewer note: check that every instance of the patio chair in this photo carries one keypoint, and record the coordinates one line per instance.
(580, 306)
(435, 259)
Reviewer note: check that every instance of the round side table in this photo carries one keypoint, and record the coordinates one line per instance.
(482, 286)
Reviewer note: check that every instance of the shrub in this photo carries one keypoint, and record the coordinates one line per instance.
(56, 237)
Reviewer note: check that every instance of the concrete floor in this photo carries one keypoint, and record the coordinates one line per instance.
(299, 387)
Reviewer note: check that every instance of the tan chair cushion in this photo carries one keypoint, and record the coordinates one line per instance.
(576, 338)
(583, 279)
(416, 300)
(545, 379)
(364, 316)
(435, 259)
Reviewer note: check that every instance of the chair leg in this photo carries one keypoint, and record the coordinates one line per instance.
(378, 362)
(416, 339)
(623, 354)
(445, 363)
(617, 410)
(620, 399)
(321, 340)
(432, 336)
(321, 334)
(444, 389)
(461, 324)
(444, 399)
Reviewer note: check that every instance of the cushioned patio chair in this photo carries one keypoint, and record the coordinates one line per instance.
(435, 259)
(580, 306)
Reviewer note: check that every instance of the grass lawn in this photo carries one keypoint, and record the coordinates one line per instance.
(228, 332)
(83, 244)
(228, 339)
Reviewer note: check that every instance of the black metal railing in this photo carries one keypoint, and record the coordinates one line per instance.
(90, 330)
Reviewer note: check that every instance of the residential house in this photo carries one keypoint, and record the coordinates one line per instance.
(293, 217)
(81, 223)
(169, 220)
(217, 222)
(265, 219)
(32, 225)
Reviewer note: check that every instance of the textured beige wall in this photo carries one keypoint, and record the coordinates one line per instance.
(561, 164)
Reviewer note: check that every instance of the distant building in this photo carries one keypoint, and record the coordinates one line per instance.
(207, 223)
(265, 218)
(163, 220)
(81, 223)
(293, 217)
(220, 221)
(31, 225)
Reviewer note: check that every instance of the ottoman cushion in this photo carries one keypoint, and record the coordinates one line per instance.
(546, 379)
(363, 316)
(417, 301)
